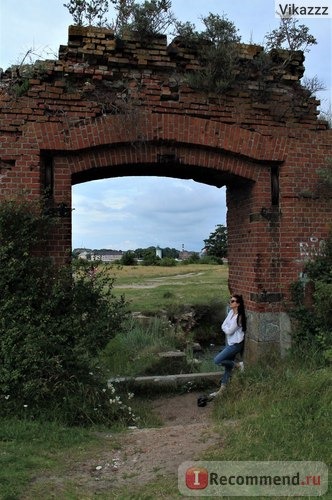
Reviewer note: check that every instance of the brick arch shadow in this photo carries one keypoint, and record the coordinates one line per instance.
(188, 148)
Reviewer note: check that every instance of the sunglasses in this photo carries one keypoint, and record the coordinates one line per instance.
(233, 300)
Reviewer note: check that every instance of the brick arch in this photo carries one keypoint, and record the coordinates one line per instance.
(106, 109)
(224, 155)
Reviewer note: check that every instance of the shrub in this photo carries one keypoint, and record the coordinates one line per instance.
(167, 262)
(217, 52)
(151, 18)
(211, 259)
(128, 259)
(314, 322)
(53, 324)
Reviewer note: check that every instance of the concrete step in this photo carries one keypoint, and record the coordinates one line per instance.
(176, 379)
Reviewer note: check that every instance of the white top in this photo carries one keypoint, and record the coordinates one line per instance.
(234, 332)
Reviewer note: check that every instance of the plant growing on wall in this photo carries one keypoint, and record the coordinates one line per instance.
(88, 11)
(147, 19)
(217, 52)
(314, 321)
(151, 18)
(290, 35)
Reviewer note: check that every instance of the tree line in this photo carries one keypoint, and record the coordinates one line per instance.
(214, 251)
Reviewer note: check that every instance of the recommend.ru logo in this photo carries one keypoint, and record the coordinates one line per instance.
(253, 478)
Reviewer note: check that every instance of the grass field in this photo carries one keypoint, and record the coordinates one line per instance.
(150, 289)
(280, 410)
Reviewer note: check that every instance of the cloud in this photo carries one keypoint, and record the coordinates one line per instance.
(137, 212)
(133, 212)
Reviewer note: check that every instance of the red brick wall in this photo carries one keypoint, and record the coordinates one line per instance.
(106, 108)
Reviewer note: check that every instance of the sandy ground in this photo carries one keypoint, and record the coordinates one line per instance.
(186, 433)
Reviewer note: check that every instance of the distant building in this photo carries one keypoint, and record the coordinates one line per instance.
(111, 257)
(159, 252)
(185, 254)
(101, 255)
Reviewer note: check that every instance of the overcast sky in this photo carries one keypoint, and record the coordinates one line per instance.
(134, 212)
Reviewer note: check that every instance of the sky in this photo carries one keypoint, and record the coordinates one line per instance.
(126, 213)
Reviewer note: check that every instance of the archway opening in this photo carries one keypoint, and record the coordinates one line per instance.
(126, 213)
(119, 214)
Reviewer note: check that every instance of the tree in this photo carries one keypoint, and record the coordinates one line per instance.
(128, 258)
(290, 35)
(172, 253)
(216, 244)
(150, 258)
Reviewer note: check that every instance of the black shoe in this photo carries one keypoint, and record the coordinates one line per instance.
(203, 400)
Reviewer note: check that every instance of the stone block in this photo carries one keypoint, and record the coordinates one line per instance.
(255, 350)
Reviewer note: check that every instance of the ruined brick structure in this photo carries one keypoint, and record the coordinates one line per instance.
(111, 108)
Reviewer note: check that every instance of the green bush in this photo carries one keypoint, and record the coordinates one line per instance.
(128, 259)
(314, 322)
(53, 324)
(211, 259)
(167, 262)
(217, 52)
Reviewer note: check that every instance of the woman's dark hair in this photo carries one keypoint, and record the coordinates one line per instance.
(241, 318)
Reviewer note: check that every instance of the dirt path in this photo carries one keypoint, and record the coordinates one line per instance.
(145, 453)
(160, 280)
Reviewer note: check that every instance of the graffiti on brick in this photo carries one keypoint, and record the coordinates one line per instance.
(311, 248)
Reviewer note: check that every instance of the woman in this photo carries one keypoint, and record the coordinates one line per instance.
(234, 327)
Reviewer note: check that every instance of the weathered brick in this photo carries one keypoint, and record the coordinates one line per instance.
(233, 139)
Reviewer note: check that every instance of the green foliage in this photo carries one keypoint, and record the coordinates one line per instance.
(167, 262)
(188, 34)
(151, 18)
(21, 88)
(290, 35)
(217, 52)
(219, 30)
(128, 258)
(211, 260)
(150, 258)
(147, 19)
(132, 351)
(314, 322)
(87, 11)
(216, 244)
(172, 253)
(193, 259)
(53, 324)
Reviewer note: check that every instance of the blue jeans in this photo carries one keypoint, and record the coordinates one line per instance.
(226, 358)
